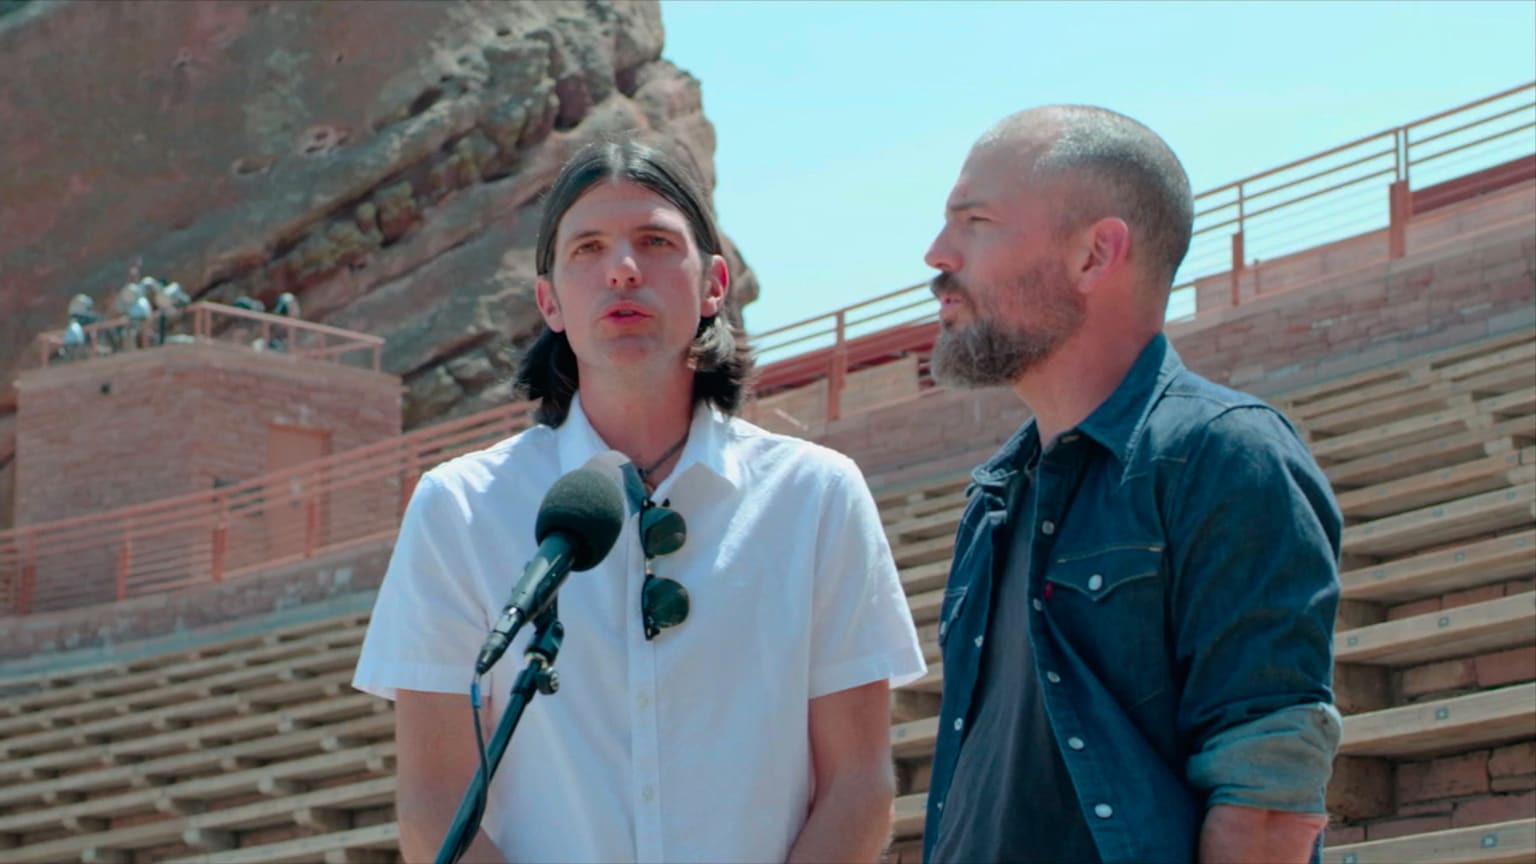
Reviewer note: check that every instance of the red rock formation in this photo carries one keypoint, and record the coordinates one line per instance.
(382, 161)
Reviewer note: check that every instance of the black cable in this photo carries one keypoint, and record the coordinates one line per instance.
(482, 790)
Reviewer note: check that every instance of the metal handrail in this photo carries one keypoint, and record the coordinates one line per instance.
(1401, 149)
(1319, 175)
(205, 537)
(208, 536)
(204, 316)
(1470, 144)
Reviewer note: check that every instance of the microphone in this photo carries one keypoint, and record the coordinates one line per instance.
(578, 522)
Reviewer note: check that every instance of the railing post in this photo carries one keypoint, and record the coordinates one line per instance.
(1400, 209)
(219, 542)
(1237, 249)
(220, 550)
(124, 565)
(838, 374)
(1399, 145)
(1237, 267)
(311, 525)
(408, 479)
(28, 586)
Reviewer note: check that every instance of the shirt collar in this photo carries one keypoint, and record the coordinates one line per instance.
(1009, 459)
(708, 448)
(1114, 424)
(1118, 420)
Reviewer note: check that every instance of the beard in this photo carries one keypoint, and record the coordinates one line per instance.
(992, 350)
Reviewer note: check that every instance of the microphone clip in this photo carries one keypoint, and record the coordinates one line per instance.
(548, 633)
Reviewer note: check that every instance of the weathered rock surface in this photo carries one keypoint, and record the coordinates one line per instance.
(383, 161)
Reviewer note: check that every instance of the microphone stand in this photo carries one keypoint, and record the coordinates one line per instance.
(537, 677)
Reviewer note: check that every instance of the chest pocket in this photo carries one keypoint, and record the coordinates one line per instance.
(1109, 604)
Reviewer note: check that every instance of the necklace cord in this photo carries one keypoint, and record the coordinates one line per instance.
(671, 451)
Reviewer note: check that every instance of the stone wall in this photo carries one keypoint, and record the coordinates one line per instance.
(112, 632)
(146, 425)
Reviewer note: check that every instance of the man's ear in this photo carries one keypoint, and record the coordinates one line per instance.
(549, 306)
(1100, 251)
(717, 284)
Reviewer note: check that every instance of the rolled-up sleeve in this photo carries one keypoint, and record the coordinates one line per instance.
(1255, 556)
(1278, 762)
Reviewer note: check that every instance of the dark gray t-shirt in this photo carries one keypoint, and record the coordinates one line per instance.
(1012, 798)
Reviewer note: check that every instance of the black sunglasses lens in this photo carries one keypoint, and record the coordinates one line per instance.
(665, 602)
(662, 531)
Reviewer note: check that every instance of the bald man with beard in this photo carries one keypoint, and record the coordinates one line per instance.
(1137, 632)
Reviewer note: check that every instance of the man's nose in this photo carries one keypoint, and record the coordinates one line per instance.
(623, 270)
(941, 254)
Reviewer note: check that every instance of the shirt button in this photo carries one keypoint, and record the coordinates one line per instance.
(1037, 604)
(978, 641)
(1053, 677)
(1075, 743)
(959, 724)
(1103, 811)
(1095, 582)
(648, 793)
(1047, 527)
(941, 805)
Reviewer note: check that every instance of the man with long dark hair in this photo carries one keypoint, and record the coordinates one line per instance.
(726, 668)
(1137, 632)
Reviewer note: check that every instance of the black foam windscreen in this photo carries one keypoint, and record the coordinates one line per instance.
(586, 506)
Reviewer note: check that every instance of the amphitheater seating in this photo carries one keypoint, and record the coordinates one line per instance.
(1432, 462)
(1480, 719)
(1477, 628)
(330, 808)
(206, 752)
(254, 748)
(376, 843)
(1393, 463)
(1441, 571)
(1500, 843)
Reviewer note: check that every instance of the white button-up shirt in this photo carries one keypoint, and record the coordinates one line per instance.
(694, 746)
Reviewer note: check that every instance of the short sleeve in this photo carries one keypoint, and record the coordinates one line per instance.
(428, 622)
(862, 628)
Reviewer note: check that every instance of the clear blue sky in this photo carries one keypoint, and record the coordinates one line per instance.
(842, 125)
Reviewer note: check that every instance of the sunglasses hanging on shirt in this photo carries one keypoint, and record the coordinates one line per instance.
(663, 602)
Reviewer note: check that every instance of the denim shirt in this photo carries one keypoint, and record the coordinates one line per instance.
(1184, 571)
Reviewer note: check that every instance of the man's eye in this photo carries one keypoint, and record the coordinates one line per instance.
(657, 240)
(586, 247)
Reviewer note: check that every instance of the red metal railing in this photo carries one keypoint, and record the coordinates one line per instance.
(207, 322)
(1323, 198)
(358, 496)
(318, 507)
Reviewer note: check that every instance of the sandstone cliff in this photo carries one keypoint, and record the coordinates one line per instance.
(383, 161)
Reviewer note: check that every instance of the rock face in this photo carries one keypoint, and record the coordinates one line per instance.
(383, 161)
